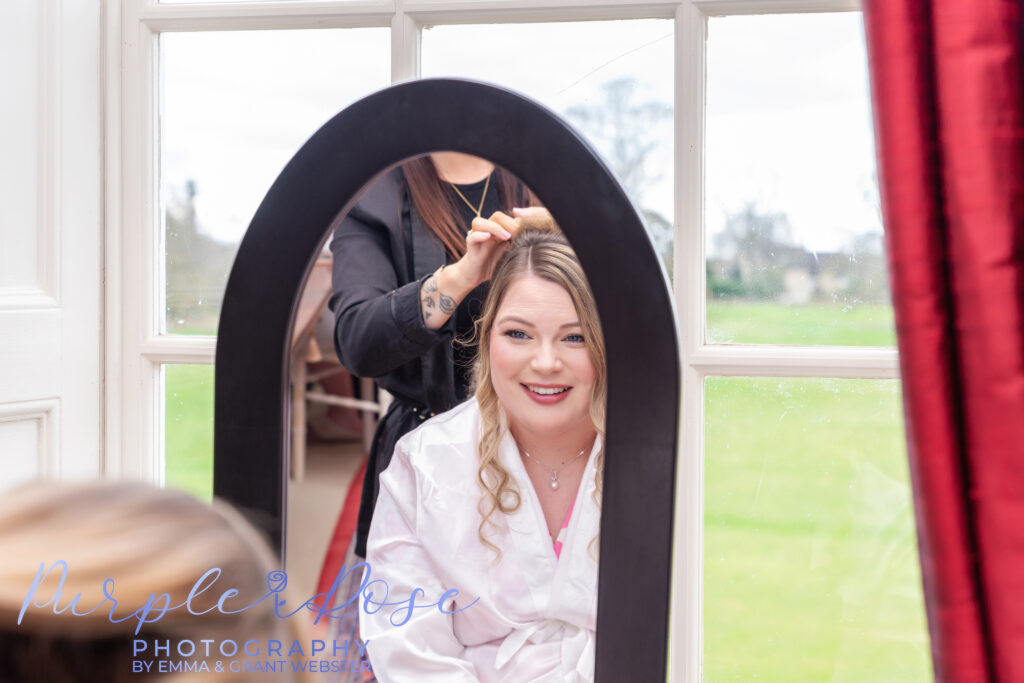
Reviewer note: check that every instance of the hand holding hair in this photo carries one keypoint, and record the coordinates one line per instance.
(443, 291)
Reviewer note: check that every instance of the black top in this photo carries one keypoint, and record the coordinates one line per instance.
(471, 307)
(383, 252)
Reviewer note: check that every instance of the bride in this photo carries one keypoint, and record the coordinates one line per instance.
(499, 498)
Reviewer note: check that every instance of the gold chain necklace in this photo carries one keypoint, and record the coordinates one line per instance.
(480, 208)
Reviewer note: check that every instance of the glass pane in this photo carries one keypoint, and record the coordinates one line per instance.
(236, 106)
(794, 232)
(188, 428)
(810, 553)
(611, 79)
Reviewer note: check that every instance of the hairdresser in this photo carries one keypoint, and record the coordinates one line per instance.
(411, 263)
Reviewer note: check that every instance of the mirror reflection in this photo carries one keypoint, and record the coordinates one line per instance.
(448, 380)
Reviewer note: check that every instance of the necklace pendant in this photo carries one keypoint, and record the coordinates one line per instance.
(554, 482)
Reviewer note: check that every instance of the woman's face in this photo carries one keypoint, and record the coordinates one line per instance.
(540, 367)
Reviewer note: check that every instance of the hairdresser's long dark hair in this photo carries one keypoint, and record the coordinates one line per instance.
(433, 200)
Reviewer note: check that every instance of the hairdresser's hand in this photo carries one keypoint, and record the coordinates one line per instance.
(533, 212)
(535, 217)
(485, 243)
(443, 291)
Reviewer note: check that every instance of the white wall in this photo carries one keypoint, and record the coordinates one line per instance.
(50, 239)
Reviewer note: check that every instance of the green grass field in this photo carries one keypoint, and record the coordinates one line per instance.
(810, 557)
(746, 322)
(188, 428)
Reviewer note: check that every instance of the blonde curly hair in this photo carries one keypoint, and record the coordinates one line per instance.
(546, 254)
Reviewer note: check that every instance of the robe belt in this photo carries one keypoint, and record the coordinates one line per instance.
(577, 647)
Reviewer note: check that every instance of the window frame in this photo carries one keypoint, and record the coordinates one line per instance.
(135, 350)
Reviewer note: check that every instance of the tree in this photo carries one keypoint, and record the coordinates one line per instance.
(869, 281)
(197, 266)
(756, 245)
(626, 132)
(869, 276)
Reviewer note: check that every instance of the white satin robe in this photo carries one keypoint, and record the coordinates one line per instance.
(536, 615)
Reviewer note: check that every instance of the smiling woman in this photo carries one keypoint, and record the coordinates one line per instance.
(474, 499)
(541, 368)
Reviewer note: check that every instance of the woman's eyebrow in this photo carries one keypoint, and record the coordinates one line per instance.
(514, 319)
(527, 323)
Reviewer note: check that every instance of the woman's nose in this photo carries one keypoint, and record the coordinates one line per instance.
(546, 359)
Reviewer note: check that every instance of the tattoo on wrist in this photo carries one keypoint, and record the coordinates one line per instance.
(426, 315)
(431, 284)
(428, 301)
(447, 304)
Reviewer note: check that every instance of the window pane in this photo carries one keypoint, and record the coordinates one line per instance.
(188, 428)
(810, 554)
(236, 106)
(794, 233)
(611, 79)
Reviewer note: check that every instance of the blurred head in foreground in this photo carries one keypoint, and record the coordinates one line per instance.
(148, 541)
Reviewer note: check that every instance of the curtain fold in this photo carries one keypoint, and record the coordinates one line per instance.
(949, 124)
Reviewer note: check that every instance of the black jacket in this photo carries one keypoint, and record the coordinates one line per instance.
(382, 254)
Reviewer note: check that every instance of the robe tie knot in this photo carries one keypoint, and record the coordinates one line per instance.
(577, 647)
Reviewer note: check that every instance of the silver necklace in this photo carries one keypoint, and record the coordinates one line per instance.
(554, 472)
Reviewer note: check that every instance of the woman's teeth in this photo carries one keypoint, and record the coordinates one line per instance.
(546, 391)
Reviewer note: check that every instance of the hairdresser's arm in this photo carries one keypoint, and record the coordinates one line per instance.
(378, 324)
(443, 291)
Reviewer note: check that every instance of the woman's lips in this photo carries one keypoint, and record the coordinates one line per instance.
(547, 398)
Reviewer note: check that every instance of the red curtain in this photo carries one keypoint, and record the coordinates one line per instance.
(949, 123)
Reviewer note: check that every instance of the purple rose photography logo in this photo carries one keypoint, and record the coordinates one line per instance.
(248, 655)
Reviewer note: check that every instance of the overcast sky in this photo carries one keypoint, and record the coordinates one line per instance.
(788, 118)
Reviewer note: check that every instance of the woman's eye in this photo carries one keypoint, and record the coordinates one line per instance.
(575, 339)
(516, 334)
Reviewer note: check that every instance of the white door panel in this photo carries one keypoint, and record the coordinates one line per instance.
(50, 239)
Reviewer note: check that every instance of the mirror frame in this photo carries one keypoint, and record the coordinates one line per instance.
(322, 182)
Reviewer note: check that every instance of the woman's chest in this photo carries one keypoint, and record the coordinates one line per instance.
(554, 492)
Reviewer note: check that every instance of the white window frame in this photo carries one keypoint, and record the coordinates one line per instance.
(135, 350)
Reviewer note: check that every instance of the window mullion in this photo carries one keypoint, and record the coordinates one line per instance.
(266, 15)
(686, 627)
(137, 454)
(193, 349)
(434, 12)
(796, 361)
(720, 8)
(406, 47)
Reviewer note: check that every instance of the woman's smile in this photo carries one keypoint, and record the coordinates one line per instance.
(545, 393)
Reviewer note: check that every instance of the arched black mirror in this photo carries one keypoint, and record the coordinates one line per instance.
(323, 181)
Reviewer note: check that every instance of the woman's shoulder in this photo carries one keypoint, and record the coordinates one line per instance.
(444, 442)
